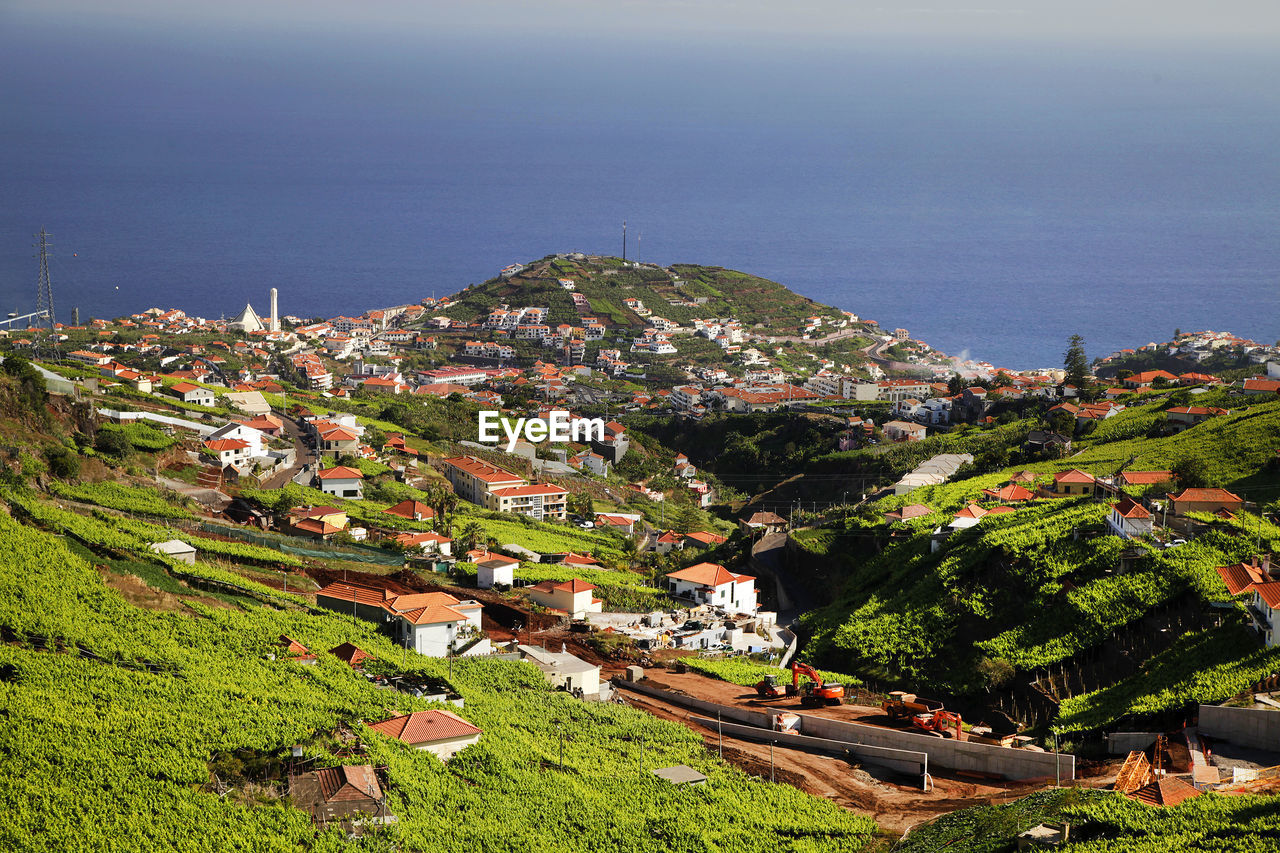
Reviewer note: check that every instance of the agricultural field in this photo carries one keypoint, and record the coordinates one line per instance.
(1045, 586)
(153, 697)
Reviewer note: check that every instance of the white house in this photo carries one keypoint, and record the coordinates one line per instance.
(1265, 609)
(497, 570)
(562, 669)
(188, 392)
(572, 597)
(430, 623)
(255, 439)
(341, 482)
(711, 583)
(1130, 519)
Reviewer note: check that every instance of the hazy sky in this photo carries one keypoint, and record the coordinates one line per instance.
(1129, 20)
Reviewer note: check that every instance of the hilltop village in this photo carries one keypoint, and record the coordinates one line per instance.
(886, 583)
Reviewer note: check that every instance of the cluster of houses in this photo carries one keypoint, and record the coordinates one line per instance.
(1129, 517)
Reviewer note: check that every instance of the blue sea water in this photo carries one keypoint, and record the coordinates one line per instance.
(991, 198)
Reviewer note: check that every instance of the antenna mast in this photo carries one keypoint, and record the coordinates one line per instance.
(44, 288)
(624, 239)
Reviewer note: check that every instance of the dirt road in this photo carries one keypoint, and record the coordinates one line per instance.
(894, 801)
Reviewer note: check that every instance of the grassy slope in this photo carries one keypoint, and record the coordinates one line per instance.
(1021, 589)
(86, 741)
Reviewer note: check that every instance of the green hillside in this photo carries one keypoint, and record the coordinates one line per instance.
(1043, 593)
(115, 717)
(700, 291)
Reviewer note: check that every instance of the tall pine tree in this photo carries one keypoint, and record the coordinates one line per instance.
(1076, 363)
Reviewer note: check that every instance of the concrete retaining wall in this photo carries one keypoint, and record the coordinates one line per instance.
(1123, 743)
(903, 761)
(1243, 726)
(758, 719)
(944, 752)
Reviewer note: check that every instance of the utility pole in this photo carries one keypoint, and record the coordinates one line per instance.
(44, 288)
(624, 240)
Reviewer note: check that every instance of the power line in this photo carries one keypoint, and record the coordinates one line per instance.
(44, 287)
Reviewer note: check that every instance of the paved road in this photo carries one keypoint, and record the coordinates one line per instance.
(304, 457)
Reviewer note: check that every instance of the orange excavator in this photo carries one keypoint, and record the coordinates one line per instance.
(816, 691)
(938, 723)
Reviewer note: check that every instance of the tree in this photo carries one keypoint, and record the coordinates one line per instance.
(1191, 472)
(113, 443)
(1076, 363)
(468, 532)
(63, 462)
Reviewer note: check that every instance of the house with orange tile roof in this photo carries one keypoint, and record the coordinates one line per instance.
(704, 539)
(712, 583)
(442, 733)
(341, 482)
(427, 542)
(189, 392)
(668, 541)
(350, 654)
(1129, 519)
(1185, 417)
(473, 478)
(1073, 482)
(338, 793)
(1010, 492)
(430, 623)
(1147, 378)
(1204, 500)
(411, 510)
(572, 597)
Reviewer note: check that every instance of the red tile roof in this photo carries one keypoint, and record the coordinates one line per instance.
(544, 489)
(349, 654)
(482, 470)
(971, 511)
(220, 444)
(1240, 577)
(1269, 591)
(1075, 475)
(709, 575)
(579, 560)
(1010, 492)
(425, 727)
(1145, 478)
(411, 509)
(1167, 791)
(1129, 508)
(1206, 496)
(349, 784)
(340, 472)
(707, 538)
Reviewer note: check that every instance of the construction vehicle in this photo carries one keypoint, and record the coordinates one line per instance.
(938, 723)
(769, 688)
(902, 705)
(816, 691)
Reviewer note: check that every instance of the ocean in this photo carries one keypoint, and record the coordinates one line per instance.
(993, 199)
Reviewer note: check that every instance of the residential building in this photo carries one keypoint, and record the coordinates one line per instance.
(571, 597)
(537, 500)
(188, 392)
(1073, 482)
(341, 482)
(766, 522)
(1130, 519)
(497, 570)
(904, 431)
(430, 623)
(564, 671)
(711, 583)
(442, 733)
(1204, 500)
(473, 478)
(1185, 417)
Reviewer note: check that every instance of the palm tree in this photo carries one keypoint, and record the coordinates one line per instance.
(629, 550)
(468, 532)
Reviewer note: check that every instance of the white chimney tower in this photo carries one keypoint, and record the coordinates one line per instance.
(275, 312)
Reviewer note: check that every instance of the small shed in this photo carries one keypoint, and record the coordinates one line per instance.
(177, 549)
(680, 774)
